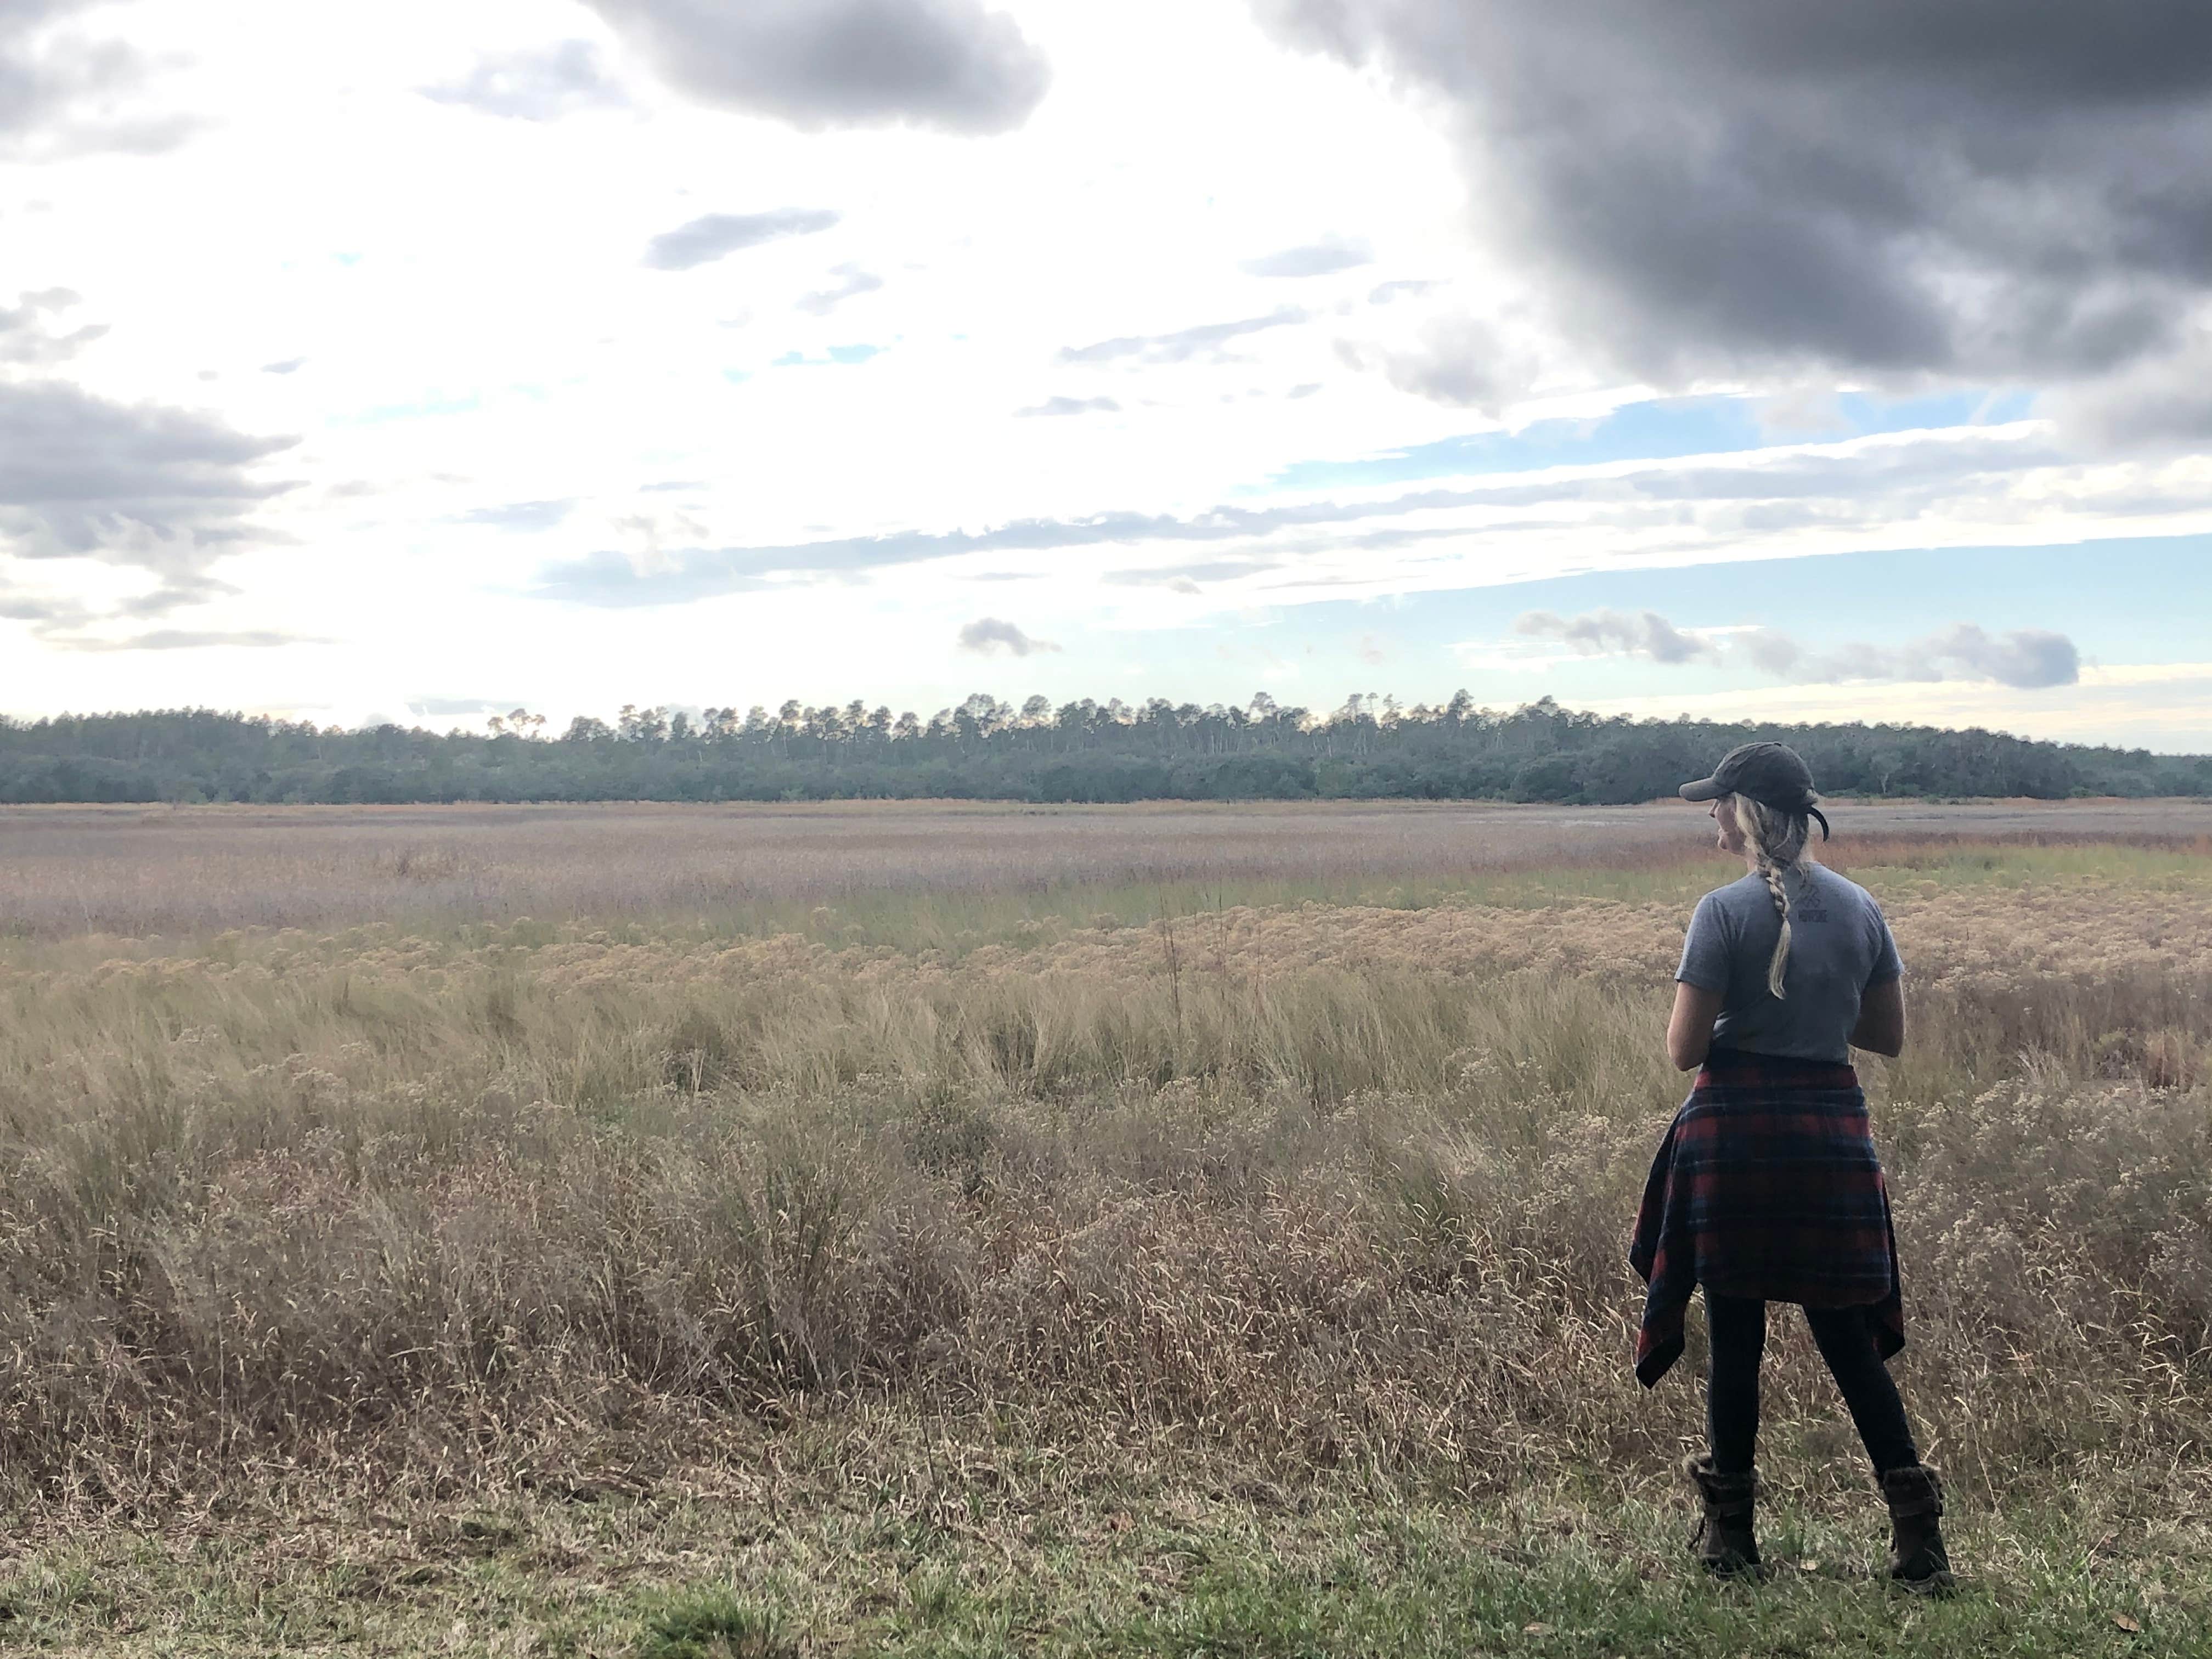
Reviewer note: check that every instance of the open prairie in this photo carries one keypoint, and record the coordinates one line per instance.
(142, 871)
(1159, 1230)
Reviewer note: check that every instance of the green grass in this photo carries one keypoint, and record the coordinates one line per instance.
(1127, 1567)
(714, 1625)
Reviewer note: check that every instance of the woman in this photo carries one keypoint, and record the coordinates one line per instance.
(1766, 1188)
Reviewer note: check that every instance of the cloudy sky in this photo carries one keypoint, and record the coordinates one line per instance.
(422, 360)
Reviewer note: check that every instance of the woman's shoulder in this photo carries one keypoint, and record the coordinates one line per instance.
(1840, 885)
(1743, 890)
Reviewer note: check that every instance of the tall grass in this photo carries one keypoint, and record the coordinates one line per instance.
(1326, 1184)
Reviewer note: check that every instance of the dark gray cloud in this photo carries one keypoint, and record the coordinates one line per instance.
(1617, 633)
(64, 93)
(168, 490)
(2163, 403)
(1322, 258)
(30, 337)
(1072, 406)
(519, 515)
(988, 634)
(1899, 186)
(2029, 658)
(852, 283)
(955, 65)
(539, 85)
(1181, 345)
(1454, 359)
(716, 234)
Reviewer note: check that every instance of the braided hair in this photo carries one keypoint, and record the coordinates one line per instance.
(1778, 841)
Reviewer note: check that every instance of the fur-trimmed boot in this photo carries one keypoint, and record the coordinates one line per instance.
(1724, 1543)
(1917, 1561)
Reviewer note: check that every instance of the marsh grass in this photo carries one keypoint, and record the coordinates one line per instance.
(1337, 1184)
(892, 866)
(1317, 1204)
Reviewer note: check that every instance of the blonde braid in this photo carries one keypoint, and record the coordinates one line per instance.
(1774, 848)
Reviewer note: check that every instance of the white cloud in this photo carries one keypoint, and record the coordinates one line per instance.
(1323, 257)
(2162, 706)
(852, 283)
(987, 635)
(539, 84)
(70, 87)
(2026, 658)
(1598, 633)
(716, 235)
(32, 331)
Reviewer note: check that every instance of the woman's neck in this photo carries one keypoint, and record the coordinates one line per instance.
(1751, 862)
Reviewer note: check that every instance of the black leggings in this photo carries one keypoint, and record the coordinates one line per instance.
(1737, 1327)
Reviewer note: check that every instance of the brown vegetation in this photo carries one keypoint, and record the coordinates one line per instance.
(1324, 1185)
(136, 872)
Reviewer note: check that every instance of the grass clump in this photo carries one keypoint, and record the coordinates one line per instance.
(714, 1625)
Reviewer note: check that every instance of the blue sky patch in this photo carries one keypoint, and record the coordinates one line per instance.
(838, 353)
(1659, 429)
(2146, 603)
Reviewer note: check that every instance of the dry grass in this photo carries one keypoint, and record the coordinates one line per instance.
(133, 872)
(1321, 1187)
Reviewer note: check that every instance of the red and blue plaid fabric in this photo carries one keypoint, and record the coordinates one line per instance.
(1766, 1186)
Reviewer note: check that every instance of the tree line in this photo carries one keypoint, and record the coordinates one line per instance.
(985, 749)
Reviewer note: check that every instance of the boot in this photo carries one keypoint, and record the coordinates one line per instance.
(1917, 1561)
(1724, 1540)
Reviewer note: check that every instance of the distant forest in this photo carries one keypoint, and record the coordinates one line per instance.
(986, 750)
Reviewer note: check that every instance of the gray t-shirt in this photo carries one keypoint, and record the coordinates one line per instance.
(1839, 946)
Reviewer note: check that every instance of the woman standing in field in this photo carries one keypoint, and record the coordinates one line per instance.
(1767, 1187)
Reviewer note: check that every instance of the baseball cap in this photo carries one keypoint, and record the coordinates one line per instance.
(1772, 774)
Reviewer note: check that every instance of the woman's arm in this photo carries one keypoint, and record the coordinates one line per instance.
(1881, 1029)
(1690, 1030)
